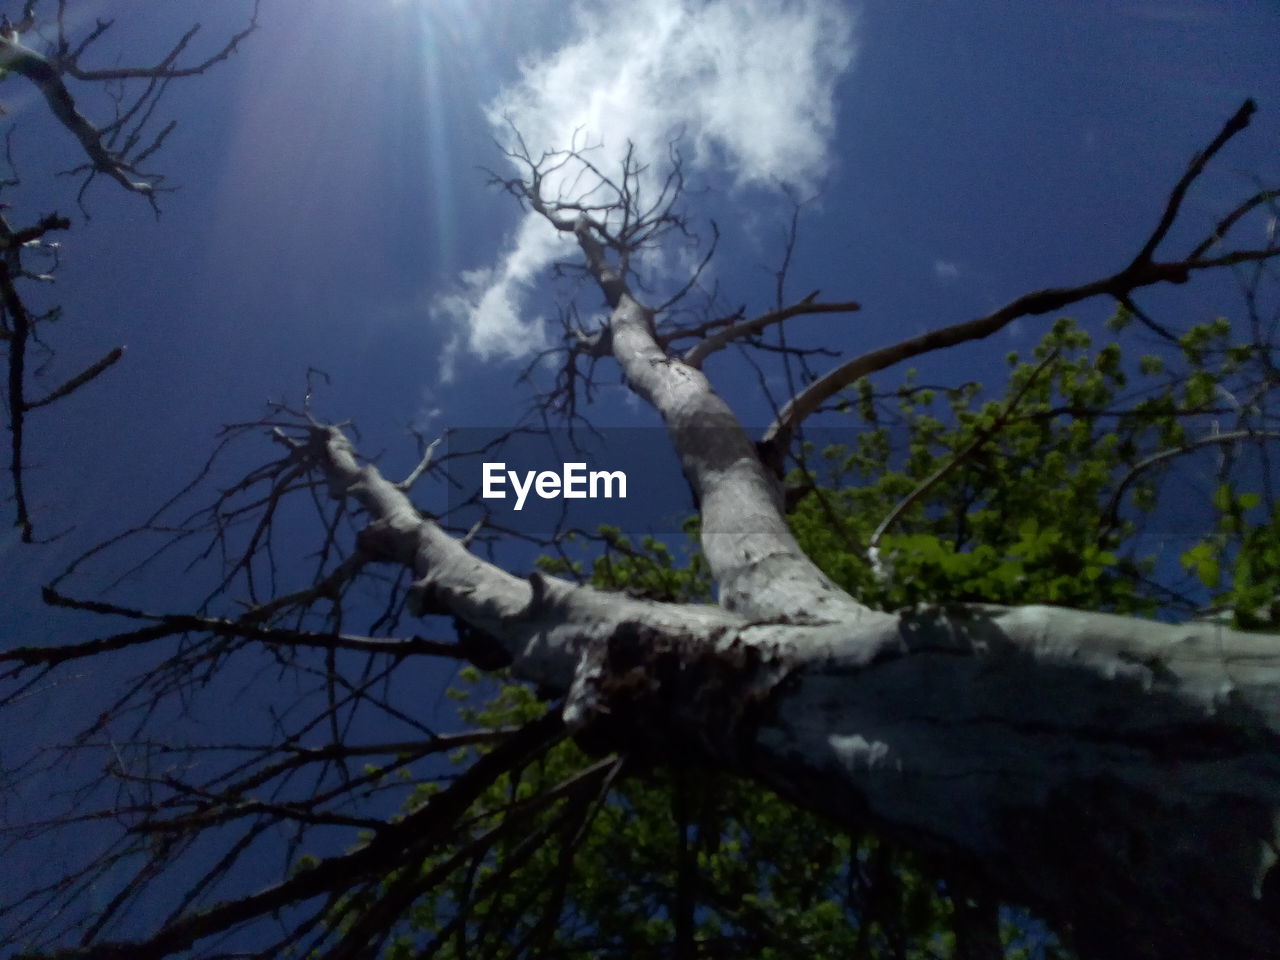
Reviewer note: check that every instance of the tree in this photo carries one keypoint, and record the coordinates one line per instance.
(1023, 746)
(762, 878)
(114, 149)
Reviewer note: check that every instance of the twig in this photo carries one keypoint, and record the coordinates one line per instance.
(873, 545)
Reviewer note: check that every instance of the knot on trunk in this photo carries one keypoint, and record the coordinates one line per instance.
(681, 700)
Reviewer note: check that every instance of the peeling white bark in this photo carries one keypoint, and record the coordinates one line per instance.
(1122, 776)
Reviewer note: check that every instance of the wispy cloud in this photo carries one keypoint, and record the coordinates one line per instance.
(749, 84)
(487, 303)
(945, 270)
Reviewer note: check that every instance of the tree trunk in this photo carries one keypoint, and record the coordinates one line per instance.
(1120, 776)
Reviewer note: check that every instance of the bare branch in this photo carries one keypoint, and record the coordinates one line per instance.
(171, 624)
(1141, 272)
(114, 149)
(407, 483)
(1118, 285)
(120, 163)
(983, 435)
(79, 380)
(19, 330)
(696, 354)
(1111, 514)
(1238, 121)
(47, 78)
(409, 839)
(1231, 219)
(166, 68)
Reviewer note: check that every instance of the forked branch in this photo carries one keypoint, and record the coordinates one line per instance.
(1143, 271)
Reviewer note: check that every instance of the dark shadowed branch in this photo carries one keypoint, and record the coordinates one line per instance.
(1142, 271)
(114, 147)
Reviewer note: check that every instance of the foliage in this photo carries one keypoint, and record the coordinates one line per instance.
(1063, 503)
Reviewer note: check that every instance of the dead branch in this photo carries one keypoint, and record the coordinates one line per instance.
(409, 840)
(698, 353)
(49, 73)
(1143, 271)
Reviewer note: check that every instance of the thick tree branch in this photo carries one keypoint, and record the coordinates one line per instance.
(545, 624)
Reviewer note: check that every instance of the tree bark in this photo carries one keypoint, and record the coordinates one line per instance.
(1121, 776)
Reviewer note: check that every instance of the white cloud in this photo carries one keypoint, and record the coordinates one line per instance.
(487, 304)
(945, 270)
(748, 83)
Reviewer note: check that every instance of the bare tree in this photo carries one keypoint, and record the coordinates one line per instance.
(39, 47)
(1121, 776)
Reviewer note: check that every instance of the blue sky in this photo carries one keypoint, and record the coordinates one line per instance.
(332, 198)
(333, 209)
